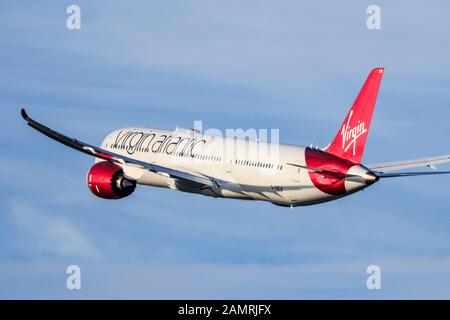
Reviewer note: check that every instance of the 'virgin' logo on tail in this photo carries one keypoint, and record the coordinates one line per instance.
(351, 135)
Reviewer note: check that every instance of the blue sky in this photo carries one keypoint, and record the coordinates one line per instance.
(232, 64)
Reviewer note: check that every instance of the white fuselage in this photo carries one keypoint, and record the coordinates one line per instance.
(243, 169)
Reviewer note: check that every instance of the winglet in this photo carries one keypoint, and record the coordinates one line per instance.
(24, 114)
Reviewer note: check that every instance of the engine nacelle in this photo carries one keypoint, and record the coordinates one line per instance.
(106, 180)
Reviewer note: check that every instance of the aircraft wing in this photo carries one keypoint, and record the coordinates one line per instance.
(407, 164)
(114, 157)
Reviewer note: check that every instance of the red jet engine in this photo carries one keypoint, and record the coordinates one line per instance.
(106, 180)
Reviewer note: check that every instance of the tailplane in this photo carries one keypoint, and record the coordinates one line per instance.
(351, 138)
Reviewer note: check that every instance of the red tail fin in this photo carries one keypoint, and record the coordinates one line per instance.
(351, 138)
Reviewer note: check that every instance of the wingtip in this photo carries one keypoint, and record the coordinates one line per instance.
(24, 113)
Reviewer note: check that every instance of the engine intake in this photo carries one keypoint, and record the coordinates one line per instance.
(106, 180)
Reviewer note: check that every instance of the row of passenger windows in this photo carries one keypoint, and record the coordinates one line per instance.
(211, 158)
(125, 147)
(176, 154)
(198, 156)
(257, 164)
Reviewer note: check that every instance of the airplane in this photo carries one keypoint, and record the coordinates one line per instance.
(287, 175)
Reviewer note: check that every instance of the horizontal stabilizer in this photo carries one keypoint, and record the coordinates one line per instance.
(407, 164)
(409, 174)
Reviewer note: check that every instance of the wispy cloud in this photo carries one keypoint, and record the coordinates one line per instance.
(48, 233)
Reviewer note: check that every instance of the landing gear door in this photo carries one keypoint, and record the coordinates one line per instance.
(296, 171)
(229, 162)
(296, 174)
(230, 154)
